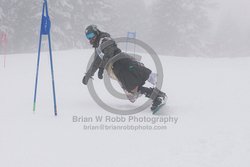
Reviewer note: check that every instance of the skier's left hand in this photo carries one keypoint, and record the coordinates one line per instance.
(100, 73)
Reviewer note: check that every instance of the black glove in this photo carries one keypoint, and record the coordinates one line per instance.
(100, 73)
(86, 79)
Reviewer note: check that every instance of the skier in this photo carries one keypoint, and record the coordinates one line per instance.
(130, 73)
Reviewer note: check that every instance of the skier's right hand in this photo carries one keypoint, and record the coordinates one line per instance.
(85, 80)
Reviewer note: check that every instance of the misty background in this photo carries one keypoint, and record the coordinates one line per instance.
(173, 27)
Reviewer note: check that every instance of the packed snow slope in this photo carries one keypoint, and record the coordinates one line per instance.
(210, 98)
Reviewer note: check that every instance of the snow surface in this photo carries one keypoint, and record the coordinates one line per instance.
(210, 97)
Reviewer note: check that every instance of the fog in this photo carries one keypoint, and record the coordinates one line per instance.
(212, 28)
(230, 21)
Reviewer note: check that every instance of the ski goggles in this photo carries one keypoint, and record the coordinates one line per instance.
(90, 35)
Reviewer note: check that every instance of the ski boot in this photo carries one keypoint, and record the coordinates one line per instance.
(158, 102)
(158, 97)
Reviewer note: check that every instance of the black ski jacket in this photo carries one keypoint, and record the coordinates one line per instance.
(129, 72)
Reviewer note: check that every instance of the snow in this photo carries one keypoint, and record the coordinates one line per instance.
(209, 96)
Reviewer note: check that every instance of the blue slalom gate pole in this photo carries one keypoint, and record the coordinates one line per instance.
(38, 62)
(52, 69)
(45, 30)
(131, 35)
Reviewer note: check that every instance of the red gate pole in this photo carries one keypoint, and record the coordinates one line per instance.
(4, 45)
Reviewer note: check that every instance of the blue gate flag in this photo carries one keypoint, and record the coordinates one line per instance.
(45, 25)
(131, 35)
